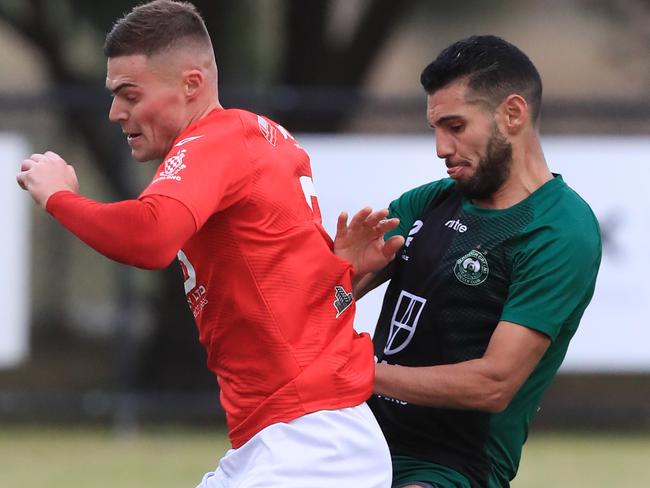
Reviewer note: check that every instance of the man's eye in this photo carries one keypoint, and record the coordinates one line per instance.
(456, 128)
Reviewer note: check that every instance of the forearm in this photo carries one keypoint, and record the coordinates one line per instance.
(468, 385)
(146, 233)
(487, 383)
(362, 284)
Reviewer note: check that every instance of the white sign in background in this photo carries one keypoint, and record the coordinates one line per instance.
(611, 173)
(14, 246)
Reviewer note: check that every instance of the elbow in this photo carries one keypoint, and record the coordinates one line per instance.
(497, 396)
(155, 261)
(149, 254)
(496, 404)
(152, 265)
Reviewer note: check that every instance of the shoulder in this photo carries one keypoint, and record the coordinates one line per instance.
(218, 126)
(219, 137)
(563, 224)
(411, 206)
(421, 196)
(259, 129)
(565, 213)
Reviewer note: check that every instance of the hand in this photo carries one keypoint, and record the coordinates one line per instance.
(42, 175)
(362, 241)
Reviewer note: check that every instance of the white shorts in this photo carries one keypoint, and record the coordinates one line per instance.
(325, 449)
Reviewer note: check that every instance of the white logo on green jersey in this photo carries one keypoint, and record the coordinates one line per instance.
(472, 269)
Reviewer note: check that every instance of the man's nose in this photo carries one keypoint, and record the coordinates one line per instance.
(117, 113)
(445, 146)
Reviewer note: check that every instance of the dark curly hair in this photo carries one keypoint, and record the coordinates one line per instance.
(493, 68)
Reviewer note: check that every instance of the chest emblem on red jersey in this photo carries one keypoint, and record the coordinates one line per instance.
(172, 166)
(268, 131)
(343, 299)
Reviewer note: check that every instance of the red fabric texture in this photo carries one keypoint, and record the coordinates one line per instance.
(260, 275)
(272, 303)
(146, 233)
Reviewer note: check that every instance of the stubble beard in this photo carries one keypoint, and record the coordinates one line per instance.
(492, 170)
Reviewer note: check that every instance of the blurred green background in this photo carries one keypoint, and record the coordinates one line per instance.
(173, 456)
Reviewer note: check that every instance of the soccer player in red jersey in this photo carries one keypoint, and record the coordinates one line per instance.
(233, 199)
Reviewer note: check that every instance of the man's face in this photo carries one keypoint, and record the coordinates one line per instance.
(148, 103)
(477, 155)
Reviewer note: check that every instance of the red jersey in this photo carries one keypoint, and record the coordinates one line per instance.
(272, 303)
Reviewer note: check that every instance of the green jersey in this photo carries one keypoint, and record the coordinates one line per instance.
(462, 270)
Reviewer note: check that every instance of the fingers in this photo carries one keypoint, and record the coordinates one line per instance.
(38, 158)
(386, 225)
(392, 245)
(20, 178)
(360, 217)
(26, 166)
(52, 156)
(375, 221)
(31, 161)
(374, 218)
(342, 224)
(44, 174)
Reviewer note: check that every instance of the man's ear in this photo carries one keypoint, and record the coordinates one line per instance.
(193, 82)
(516, 114)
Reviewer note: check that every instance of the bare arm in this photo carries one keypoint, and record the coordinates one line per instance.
(370, 281)
(487, 383)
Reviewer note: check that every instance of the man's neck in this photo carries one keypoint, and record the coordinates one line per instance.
(528, 173)
(203, 111)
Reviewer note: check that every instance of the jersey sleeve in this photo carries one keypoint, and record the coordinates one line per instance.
(146, 233)
(553, 277)
(209, 170)
(410, 206)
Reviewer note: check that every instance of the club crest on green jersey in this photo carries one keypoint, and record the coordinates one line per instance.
(472, 269)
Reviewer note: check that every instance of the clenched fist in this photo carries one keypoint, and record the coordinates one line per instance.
(42, 175)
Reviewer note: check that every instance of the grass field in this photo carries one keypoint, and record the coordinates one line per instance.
(166, 457)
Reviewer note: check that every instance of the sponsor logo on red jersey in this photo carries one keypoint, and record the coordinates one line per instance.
(186, 140)
(172, 166)
(343, 300)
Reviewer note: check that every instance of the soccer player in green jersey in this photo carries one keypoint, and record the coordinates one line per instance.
(499, 264)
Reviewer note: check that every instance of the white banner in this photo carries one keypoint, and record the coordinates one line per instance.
(14, 246)
(610, 173)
